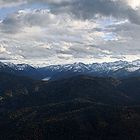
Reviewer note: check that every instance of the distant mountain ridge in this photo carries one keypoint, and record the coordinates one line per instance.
(119, 69)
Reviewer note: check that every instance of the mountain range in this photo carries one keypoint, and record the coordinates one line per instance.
(118, 69)
(73, 101)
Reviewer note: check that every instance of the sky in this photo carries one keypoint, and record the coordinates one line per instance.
(46, 32)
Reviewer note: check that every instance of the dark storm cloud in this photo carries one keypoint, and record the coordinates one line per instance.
(87, 9)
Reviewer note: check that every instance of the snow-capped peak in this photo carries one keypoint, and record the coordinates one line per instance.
(95, 68)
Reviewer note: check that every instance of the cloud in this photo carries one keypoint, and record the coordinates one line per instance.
(27, 18)
(60, 35)
(88, 9)
(133, 3)
(71, 30)
(2, 49)
(11, 3)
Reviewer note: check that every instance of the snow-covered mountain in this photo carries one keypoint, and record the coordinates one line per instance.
(20, 67)
(114, 69)
(97, 67)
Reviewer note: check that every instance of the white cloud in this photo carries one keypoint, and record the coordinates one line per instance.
(2, 49)
(133, 3)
